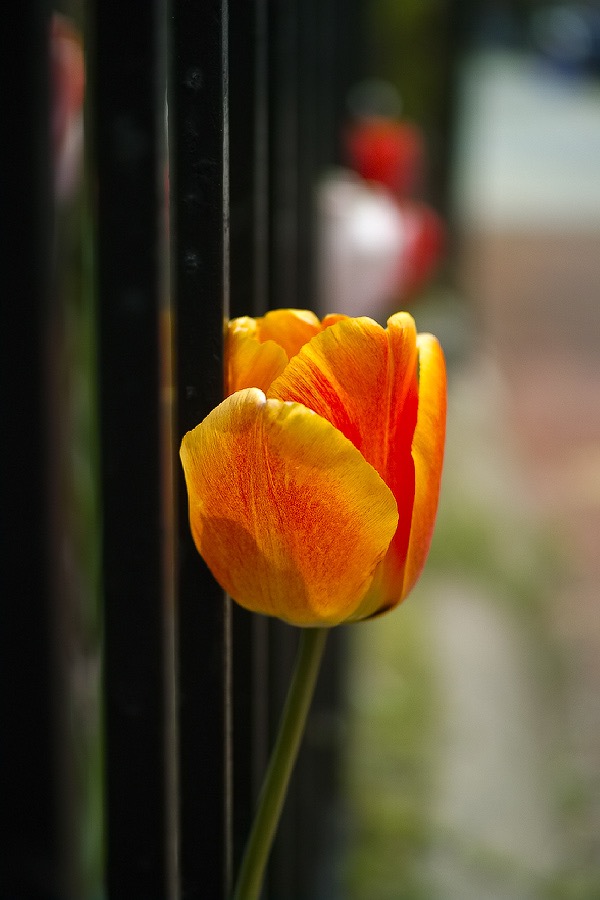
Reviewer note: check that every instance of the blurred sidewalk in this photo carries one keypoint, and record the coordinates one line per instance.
(527, 201)
(474, 764)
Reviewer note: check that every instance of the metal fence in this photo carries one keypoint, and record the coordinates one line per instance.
(209, 216)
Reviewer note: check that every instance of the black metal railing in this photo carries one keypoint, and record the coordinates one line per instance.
(128, 79)
(209, 215)
(29, 840)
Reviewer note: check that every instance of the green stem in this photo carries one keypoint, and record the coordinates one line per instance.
(283, 757)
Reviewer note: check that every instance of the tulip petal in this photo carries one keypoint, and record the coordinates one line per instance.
(248, 361)
(290, 328)
(347, 375)
(428, 454)
(332, 319)
(362, 379)
(287, 514)
(387, 589)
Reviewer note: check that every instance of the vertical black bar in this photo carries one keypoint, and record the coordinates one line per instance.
(249, 187)
(29, 801)
(249, 153)
(198, 121)
(129, 111)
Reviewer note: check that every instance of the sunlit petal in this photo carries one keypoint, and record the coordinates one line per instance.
(342, 375)
(428, 453)
(362, 379)
(286, 512)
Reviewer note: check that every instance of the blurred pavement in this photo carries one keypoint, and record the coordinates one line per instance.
(474, 710)
(527, 202)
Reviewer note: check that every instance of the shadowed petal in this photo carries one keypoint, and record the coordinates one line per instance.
(290, 328)
(248, 362)
(428, 453)
(288, 515)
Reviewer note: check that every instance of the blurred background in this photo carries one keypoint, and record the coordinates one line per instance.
(473, 742)
(468, 188)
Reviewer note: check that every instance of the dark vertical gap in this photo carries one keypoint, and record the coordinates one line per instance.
(198, 125)
(261, 157)
(243, 132)
(128, 106)
(311, 93)
(30, 801)
(249, 268)
(283, 150)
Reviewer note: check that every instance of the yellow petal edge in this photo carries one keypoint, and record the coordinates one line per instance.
(428, 454)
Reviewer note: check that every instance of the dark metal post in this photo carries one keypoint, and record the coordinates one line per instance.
(29, 800)
(129, 111)
(198, 121)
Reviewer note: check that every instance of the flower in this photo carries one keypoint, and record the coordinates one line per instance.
(68, 88)
(313, 487)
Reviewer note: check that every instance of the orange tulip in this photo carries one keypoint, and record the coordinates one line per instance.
(313, 487)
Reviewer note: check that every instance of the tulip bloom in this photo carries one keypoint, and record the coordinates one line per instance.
(313, 487)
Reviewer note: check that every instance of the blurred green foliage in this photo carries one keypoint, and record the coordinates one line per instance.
(412, 44)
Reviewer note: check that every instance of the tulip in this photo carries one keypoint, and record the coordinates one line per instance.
(313, 487)
(313, 490)
(387, 151)
(68, 87)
